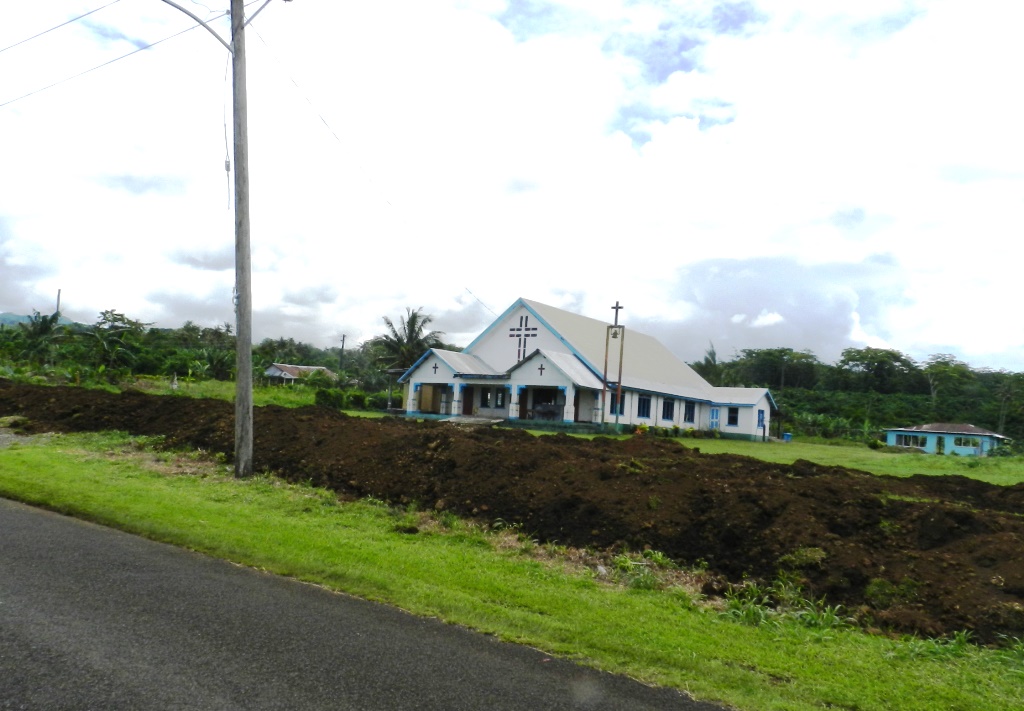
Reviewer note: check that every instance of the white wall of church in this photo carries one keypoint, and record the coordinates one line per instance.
(540, 383)
(512, 340)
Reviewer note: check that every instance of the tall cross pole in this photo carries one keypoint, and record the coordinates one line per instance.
(604, 390)
(616, 309)
(622, 349)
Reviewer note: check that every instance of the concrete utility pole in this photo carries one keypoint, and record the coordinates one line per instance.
(243, 268)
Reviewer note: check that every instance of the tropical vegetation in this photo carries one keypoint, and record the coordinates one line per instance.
(855, 398)
(869, 389)
(117, 349)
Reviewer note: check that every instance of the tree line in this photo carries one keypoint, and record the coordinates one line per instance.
(866, 390)
(116, 348)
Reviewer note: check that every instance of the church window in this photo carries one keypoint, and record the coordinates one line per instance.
(617, 408)
(643, 406)
(668, 409)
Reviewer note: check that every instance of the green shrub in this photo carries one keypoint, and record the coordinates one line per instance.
(330, 398)
(882, 594)
(357, 400)
(379, 401)
(803, 558)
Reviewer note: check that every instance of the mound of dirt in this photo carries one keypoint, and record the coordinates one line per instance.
(926, 555)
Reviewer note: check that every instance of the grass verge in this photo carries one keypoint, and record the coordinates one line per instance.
(476, 578)
(1004, 471)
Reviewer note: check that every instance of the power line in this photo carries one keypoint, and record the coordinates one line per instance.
(318, 113)
(480, 302)
(55, 27)
(99, 66)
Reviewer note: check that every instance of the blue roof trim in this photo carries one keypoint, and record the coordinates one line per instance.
(539, 352)
(590, 366)
(720, 403)
(416, 365)
(494, 324)
(521, 302)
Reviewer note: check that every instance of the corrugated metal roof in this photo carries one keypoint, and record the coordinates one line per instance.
(297, 371)
(643, 355)
(569, 364)
(464, 363)
(948, 428)
(740, 396)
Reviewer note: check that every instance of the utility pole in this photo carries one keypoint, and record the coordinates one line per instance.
(341, 355)
(243, 283)
(243, 261)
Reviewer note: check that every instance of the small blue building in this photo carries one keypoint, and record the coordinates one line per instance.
(945, 438)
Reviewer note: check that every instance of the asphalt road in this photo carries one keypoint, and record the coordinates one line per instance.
(92, 618)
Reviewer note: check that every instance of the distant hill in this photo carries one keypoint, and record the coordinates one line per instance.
(9, 319)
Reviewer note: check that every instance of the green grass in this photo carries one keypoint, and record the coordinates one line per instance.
(472, 577)
(995, 470)
(283, 395)
(1004, 471)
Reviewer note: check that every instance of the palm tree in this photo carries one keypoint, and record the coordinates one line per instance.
(402, 346)
(40, 335)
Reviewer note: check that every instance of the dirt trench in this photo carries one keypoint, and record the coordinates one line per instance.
(925, 555)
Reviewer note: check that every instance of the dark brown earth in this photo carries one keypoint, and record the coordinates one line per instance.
(925, 555)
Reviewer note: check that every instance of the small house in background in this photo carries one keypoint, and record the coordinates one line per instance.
(945, 438)
(284, 374)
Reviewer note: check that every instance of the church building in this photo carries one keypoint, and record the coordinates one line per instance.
(538, 362)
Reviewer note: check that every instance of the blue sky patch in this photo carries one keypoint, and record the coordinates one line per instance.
(853, 217)
(883, 26)
(113, 34)
(141, 185)
(526, 19)
(672, 50)
(732, 18)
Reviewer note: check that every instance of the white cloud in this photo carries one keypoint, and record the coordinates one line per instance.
(533, 149)
(766, 319)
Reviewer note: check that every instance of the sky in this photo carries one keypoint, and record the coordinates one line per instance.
(797, 173)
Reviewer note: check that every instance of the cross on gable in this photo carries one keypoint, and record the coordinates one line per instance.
(521, 333)
(616, 309)
(541, 369)
(435, 368)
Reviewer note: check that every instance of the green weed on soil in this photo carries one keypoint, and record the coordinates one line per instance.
(494, 581)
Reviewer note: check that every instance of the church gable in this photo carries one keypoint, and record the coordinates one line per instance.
(513, 337)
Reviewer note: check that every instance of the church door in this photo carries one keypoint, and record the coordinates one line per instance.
(467, 401)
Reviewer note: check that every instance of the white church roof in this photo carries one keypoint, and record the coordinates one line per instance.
(646, 363)
(579, 346)
(739, 396)
(569, 364)
(460, 363)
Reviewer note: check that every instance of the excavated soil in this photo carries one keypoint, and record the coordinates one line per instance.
(925, 555)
